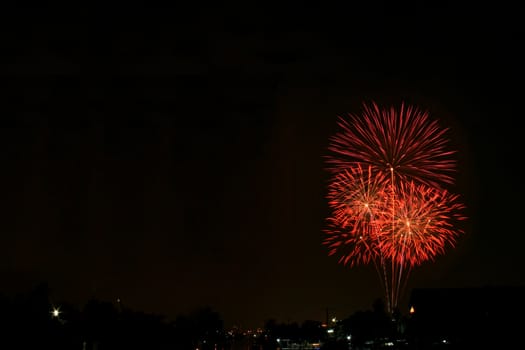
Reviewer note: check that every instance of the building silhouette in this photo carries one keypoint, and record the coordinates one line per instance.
(489, 317)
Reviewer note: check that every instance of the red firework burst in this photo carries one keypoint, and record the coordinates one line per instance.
(404, 140)
(422, 224)
(357, 200)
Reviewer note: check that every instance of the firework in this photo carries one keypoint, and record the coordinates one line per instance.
(404, 140)
(357, 200)
(422, 225)
(386, 195)
(356, 197)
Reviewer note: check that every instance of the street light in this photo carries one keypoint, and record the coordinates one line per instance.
(55, 312)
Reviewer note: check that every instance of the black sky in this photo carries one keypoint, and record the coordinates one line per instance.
(174, 157)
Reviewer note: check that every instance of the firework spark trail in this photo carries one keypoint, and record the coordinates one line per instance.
(423, 228)
(358, 200)
(387, 196)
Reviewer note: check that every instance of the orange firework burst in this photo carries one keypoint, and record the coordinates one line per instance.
(357, 199)
(422, 226)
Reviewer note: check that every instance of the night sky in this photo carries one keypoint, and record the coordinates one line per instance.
(173, 157)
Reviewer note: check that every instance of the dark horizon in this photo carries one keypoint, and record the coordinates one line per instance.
(174, 158)
(452, 318)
